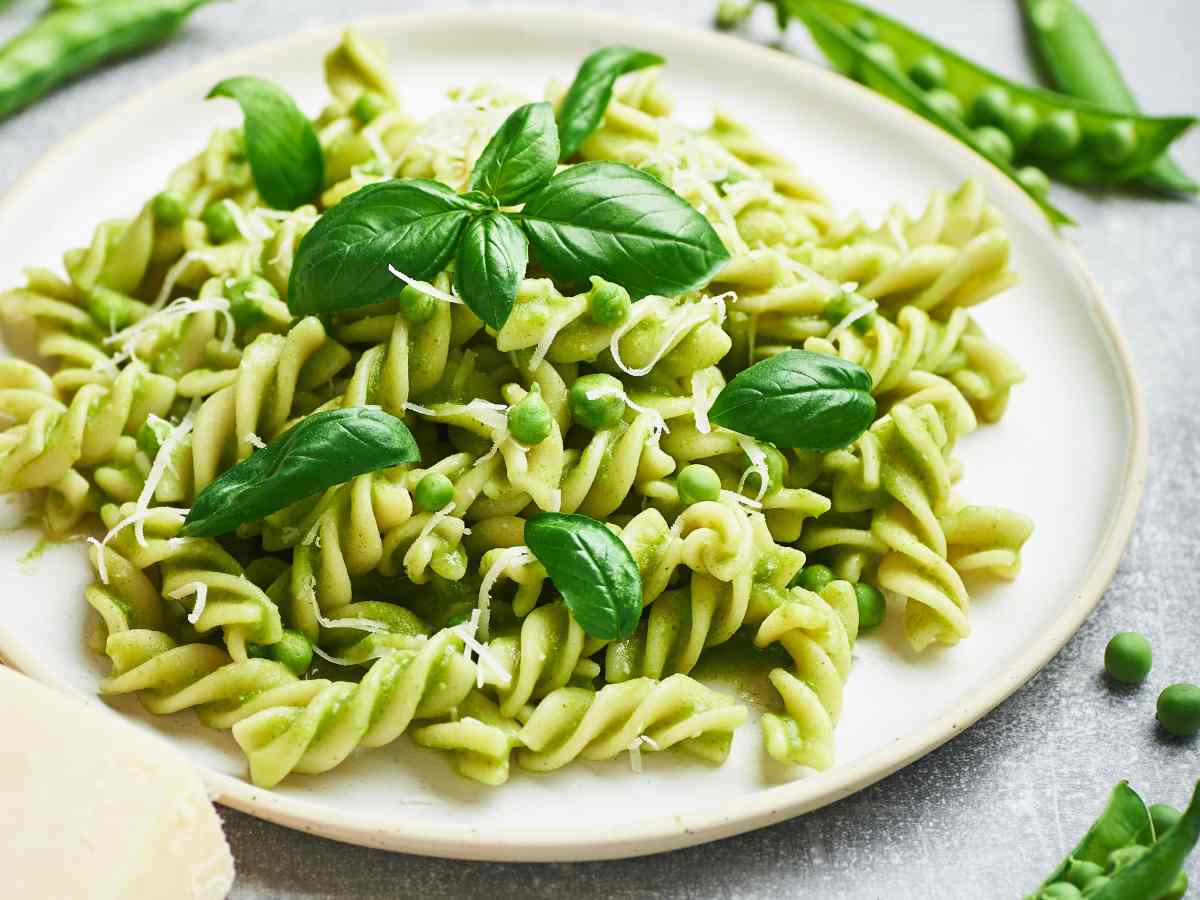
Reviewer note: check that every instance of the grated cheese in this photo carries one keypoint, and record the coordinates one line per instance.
(254, 440)
(249, 227)
(377, 148)
(309, 590)
(635, 751)
(101, 567)
(200, 589)
(176, 271)
(700, 312)
(700, 406)
(466, 633)
(158, 468)
(508, 556)
(851, 317)
(423, 286)
(758, 463)
(741, 500)
(128, 337)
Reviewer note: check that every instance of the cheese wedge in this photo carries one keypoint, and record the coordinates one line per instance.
(94, 809)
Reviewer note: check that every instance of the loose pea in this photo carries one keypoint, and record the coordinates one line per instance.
(220, 222)
(368, 105)
(1125, 856)
(1179, 709)
(928, 72)
(1090, 889)
(995, 142)
(1081, 871)
(608, 303)
(946, 103)
(530, 420)
(416, 306)
(697, 483)
(151, 434)
(776, 468)
(597, 401)
(991, 106)
(883, 55)
(1127, 658)
(433, 492)
(1164, 818)
(1061, 890)
(1116, 141)
(871, 606)
(1057, 136)
(864, 30)
(815, 577)
(1033, 178)
(245, 299)
(1022, 123)
(110, 309)
(293, 650)
(169, 207)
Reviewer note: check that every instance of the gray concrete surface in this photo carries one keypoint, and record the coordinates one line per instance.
(991, 812)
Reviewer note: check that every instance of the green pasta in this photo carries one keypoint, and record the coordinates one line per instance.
(168, 354)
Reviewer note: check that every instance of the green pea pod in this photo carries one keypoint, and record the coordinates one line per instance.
(1125, 822)
(1087, 159)
(847, 54)
(71, 40)
(1079, 64)
(1154, 874)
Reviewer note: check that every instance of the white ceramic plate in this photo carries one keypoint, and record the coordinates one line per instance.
(1071, 452)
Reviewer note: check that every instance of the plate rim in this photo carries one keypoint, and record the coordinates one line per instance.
(767, 806)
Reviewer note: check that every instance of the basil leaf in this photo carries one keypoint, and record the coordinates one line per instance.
(811, 401)
(285, 156)
(489, 267)
(413, 224)
(321, 450)
(593, 570)
(520, 157)
(587, 97)
(611, 220)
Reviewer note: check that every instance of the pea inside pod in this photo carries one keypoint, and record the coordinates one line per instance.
(1113, 145)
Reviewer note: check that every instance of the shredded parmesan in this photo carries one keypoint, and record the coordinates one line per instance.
(700, 312)
(128, 337)
(505, 558)
(466, 633)
(200, 589)
(635, 751)
(741, 500)
(254, 440)
(377, 148)
(158, 468)
(309, 590)
(853, 316)
(176, 271)
(758, 463)
(810, 275)
(423, 286)
(249, 227)
(658, 425)
(700, 405)
(101, 567)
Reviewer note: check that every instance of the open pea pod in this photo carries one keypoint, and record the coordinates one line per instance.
(847, 53)
(1071, 139)
(1156, 873)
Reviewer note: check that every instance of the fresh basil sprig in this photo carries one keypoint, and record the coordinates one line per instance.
(285, 156)
(593, 570)
(601, 219)
(322, 450)
(587, 97)
(810, 401)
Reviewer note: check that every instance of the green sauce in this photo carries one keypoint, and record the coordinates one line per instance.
(740, 665)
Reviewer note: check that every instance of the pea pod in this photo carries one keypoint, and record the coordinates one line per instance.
(71, 39)
(1156, 872)
(1078, 63)
(1072, 139)
(848, 54)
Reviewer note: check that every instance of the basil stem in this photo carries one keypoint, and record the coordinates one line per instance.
(810, 401)
(285, 156)
(321, 450)
(593, 570)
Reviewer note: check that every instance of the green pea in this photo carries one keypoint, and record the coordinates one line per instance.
(433, 492)
(1035, 180)
(597, 401)
(776, 468)
(110, 309)
(608, 303)
(530, 420)
(1061, 890)
(814, 578)
(1092, 887)
(1057, 136)
(221, 225)
(1179, 709)
(151, 434)
(928, 72)
(1127, 658)
(1177, 889)
(991, 106)
(1116, 142)
(1081, 871)
(245, 299)
(368, 105)
(872, 608)
(883, 55)
(1125, 856)
(293, 650)
(994, 142)
(1164, 818)
(416, 306)
(1022, 123)
(697, 483)
(169, 207)
(258, 651)
(946, 103)
(865, 30)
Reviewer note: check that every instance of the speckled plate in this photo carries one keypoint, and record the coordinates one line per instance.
(1071, 452)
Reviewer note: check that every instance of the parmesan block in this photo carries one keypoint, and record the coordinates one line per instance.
(95, 809)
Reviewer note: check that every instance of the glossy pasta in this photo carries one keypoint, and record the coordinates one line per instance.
(165, 357)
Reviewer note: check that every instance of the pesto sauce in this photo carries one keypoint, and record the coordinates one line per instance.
(740, 665)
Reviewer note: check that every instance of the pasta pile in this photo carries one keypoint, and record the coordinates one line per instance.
(443, 625)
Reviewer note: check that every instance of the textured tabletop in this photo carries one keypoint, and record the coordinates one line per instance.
(993, 811)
